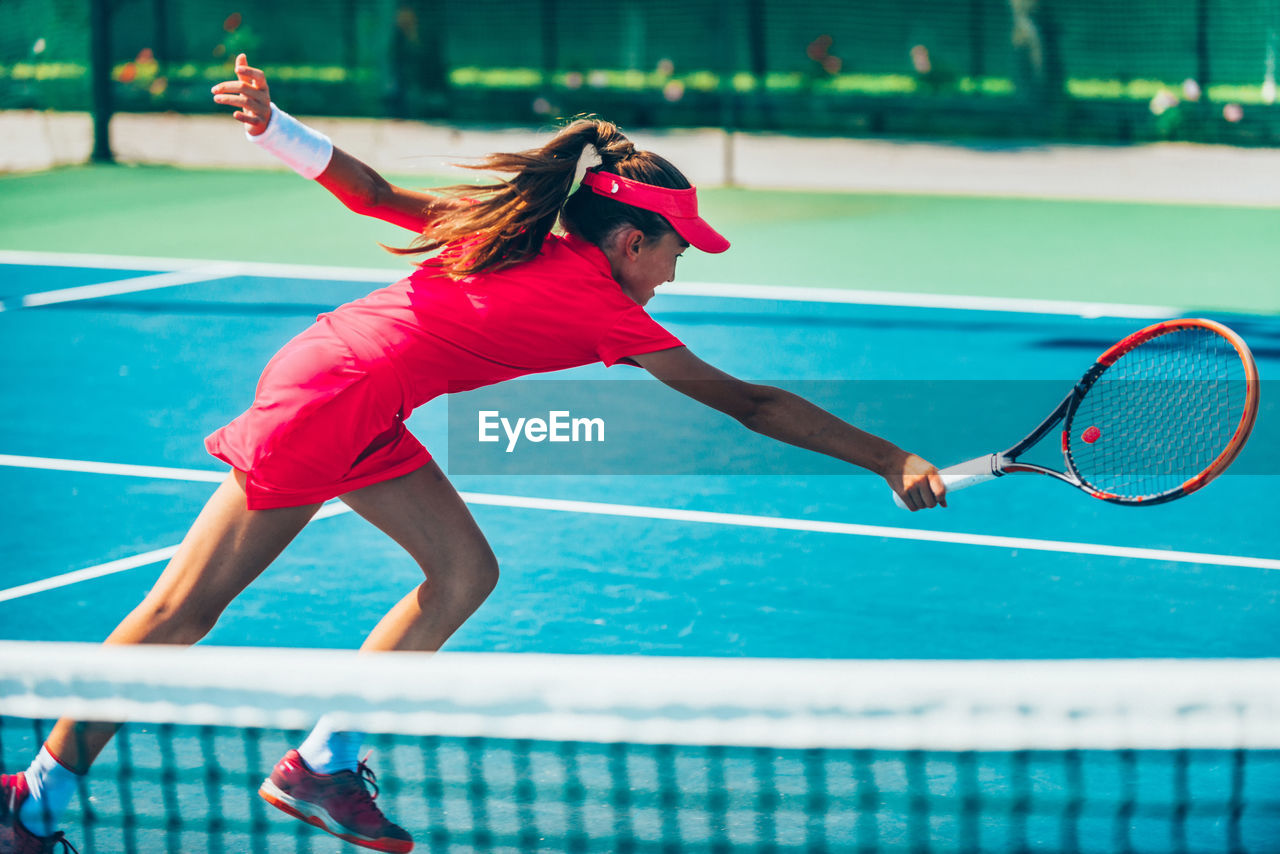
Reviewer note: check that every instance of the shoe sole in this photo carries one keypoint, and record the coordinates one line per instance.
(318, 817)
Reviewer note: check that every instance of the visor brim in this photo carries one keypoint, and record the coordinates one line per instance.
(699, 234)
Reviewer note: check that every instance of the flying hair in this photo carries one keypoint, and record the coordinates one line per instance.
(506, 222)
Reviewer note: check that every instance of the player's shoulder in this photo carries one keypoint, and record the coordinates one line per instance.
(566, 251)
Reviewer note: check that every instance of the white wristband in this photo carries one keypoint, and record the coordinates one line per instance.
(303, 149)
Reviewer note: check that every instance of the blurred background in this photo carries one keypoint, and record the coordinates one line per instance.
(1081, 70)
(891, 104)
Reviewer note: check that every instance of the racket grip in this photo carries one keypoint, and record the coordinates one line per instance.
(964, 475)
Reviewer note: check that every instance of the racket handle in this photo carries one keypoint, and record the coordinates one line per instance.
(964, 475)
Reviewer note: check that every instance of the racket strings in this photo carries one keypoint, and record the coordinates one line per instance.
(1160, 415)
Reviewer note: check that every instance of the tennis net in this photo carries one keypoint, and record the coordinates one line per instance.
(495, 752)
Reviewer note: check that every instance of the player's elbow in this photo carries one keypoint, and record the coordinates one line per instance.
(368, 195)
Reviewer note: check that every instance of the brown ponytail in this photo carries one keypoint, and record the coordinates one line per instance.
(506, 222)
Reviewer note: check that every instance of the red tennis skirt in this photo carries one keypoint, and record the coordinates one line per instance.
(327, 419)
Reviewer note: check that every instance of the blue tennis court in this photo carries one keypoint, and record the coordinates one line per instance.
(110, 390)
(703, 641)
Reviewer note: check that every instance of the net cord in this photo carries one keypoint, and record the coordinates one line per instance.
(947, 705)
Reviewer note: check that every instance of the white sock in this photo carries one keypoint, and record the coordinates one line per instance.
(52, 785)
(328, 751)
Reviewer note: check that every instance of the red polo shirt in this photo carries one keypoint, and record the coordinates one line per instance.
(559, 310)
(328, 415)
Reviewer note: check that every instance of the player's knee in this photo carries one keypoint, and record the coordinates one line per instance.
(485, 573)
(477, 575)
(471, 576)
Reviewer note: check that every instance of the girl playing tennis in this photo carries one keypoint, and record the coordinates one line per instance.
(504, 298)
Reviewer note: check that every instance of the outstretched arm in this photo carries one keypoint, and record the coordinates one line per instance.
(790, 418)
(356, 184)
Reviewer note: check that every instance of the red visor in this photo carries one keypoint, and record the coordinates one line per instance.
(679, 207)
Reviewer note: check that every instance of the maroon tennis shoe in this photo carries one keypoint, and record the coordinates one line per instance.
(14, 837)
(340, 803)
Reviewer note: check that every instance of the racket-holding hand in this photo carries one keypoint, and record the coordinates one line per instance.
(249, 94)
(917, 483)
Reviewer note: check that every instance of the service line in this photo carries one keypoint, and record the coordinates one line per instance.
(636, 511)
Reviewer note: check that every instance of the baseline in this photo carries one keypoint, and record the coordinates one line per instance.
(905, 299)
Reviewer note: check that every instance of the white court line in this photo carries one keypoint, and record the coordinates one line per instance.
(101, 262)
(129, 286)
(702, 289)
(66, 579)
(241, 268)
(91, 467)
(856, 530)
(643, 512)
(914, 300)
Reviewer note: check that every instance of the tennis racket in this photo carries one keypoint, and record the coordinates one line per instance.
(1155, 418)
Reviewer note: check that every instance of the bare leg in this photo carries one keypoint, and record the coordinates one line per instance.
(424, 513)
(227, 547)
